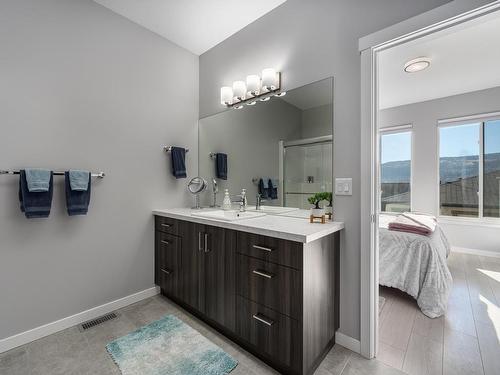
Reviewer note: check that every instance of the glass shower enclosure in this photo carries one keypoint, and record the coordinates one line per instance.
(305, 169)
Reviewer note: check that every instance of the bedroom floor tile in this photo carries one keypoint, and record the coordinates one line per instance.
(466, 340)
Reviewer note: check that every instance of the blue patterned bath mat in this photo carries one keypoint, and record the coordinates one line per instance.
(169, 347)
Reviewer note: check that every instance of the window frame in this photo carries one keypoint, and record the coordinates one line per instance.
(458, 121)
(395, 129)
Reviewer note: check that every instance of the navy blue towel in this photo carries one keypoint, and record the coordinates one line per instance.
(263, 189)
(179, 162)
(221, 166)
(35, 204)
(77, 201)
(272, 189)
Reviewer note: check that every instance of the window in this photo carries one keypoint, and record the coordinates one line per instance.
(395, 171)
(491, 167)
(469, 169)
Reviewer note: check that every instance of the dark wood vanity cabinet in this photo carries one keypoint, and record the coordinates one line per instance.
(276, 298)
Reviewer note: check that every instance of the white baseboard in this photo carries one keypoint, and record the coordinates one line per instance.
(70, 321)
(348, 342)
(484, 253)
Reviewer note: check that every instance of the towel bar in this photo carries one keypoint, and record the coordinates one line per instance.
(169, 148)
(97, 175)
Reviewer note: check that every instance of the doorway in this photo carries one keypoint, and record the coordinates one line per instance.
(371, 152)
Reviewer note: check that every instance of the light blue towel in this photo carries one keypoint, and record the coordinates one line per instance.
(38, 180)
(79, 180)
(274, 183)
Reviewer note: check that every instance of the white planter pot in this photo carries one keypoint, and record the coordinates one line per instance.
(328, 210)
(317, 212)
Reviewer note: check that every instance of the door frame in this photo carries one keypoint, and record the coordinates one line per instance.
(441, 18)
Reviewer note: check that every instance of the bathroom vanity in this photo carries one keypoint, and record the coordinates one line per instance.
(269, 283)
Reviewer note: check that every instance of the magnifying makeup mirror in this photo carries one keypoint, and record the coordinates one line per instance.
(196, 186)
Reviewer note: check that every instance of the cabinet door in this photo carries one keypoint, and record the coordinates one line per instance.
(168, 263)
(220, 275)
(192, 264)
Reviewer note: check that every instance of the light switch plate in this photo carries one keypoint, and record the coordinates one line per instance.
(343, 186)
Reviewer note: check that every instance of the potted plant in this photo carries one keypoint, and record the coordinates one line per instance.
(315, 199)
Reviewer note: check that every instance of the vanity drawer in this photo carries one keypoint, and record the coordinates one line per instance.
(273, 334)
(287, 253)
(167, 225)
(167, 262)
(271, 285)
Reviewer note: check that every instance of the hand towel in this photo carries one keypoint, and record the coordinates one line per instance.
(79, 180)
(77, 201)
(34, 204)
(221, 165)
(178, 162)
(272, 189)
(37, 179)
(262, 189)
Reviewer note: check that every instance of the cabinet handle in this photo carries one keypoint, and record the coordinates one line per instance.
(165, 242)
(206, 243)
(200, 248)
(263, 319)
(166, 225)
(263, 274)
(262, 248)
(166, 271)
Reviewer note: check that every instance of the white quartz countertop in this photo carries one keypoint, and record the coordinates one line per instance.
(279, 226)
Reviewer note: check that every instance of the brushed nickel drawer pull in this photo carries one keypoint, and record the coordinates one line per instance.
(165, 242)
(166, 271)
(166, 225)
(261, 318)
(263, 274)
(200, 248)
(262, 248)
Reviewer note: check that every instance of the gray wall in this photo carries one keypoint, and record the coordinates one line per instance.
(82, 87)
(249, 137)
(308, 41)
(425, 192)
(317, 121)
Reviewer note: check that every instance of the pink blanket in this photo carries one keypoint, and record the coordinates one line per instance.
(412, 222)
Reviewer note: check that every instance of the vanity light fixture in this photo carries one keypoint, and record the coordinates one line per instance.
(417, 65)
(254, 89)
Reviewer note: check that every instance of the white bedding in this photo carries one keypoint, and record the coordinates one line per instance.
(416, 264)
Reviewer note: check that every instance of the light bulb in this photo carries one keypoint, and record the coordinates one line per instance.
(269, 79)
(239, 90)
(253, 85)
(226, 95)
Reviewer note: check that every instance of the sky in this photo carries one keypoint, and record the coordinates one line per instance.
(454, 141)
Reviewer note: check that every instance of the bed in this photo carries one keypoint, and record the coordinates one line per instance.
(416, 264)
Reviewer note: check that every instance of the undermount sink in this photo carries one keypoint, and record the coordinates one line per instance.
(228, 215)
(272, 210)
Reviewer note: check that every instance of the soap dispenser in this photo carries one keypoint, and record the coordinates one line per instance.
(226, 203)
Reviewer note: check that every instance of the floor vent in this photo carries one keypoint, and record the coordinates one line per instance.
(97, 321)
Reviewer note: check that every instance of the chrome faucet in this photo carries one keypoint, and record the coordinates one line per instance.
(258, 202)
(243, 200)
(215, 190)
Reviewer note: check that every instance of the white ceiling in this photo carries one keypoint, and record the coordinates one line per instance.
(465, 58)
(196, 25)
(312, 95)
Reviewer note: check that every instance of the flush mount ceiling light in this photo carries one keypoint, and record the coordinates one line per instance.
(417, 65)
(255, 88)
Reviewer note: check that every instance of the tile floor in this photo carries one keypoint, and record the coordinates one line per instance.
(465, 341)
(71, 352)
